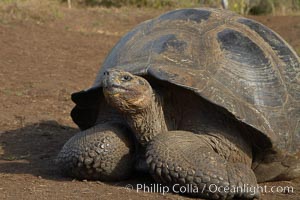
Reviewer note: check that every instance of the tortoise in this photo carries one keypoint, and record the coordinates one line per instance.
(195, 97)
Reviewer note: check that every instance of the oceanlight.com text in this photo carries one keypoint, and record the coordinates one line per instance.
(211, 188)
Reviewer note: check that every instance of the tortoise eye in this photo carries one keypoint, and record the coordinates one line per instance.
(126, 78)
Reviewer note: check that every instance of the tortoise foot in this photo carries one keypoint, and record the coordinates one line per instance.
(104, 152)
(188, 165)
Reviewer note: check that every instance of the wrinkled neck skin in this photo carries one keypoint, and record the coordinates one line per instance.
(148, 122)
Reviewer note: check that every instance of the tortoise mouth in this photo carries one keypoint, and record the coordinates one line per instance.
(115, 88)
(118, 87)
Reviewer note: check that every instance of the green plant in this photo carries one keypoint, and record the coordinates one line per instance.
(139, 3)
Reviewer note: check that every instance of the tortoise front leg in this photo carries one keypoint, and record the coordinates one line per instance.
(104, 152)
(185, 159)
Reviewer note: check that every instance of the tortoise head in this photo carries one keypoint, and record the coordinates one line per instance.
(126, 92)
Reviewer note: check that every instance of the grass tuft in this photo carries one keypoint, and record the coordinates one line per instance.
(24, 10)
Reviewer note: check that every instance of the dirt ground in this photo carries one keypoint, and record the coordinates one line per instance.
(41, 63)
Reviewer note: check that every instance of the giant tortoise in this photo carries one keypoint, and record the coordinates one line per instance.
(195, 97)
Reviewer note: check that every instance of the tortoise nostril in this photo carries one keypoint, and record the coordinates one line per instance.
(106, 73)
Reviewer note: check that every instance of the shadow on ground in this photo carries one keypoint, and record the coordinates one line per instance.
(33, 148)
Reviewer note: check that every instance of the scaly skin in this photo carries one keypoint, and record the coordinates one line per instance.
(185, 158)
(180, 157)
(104, 152)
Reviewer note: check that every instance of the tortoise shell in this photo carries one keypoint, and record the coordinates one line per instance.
(231, 61)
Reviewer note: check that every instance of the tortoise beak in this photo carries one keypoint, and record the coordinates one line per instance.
(112, 80)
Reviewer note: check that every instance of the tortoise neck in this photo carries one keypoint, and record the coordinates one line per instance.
(149, 122)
